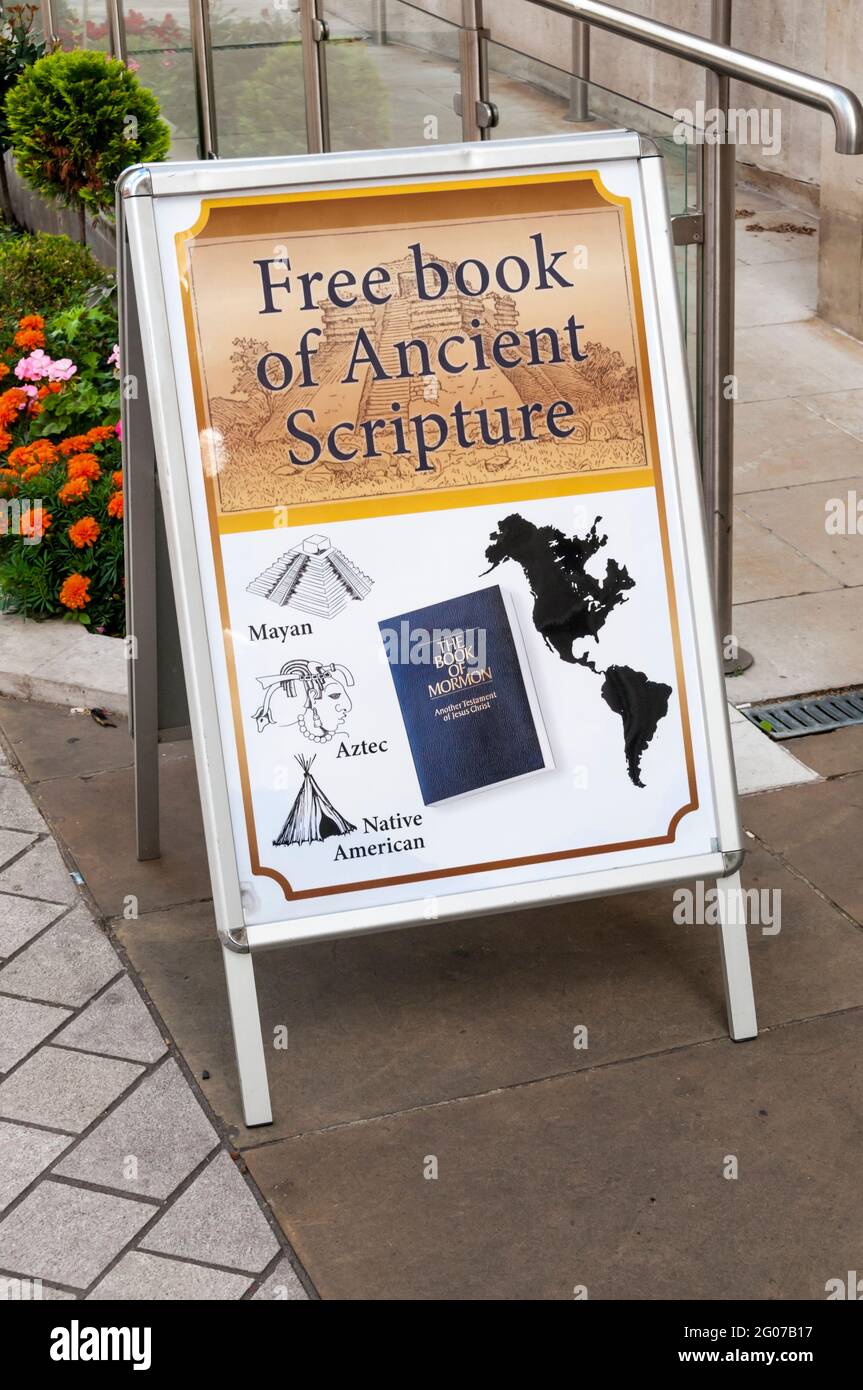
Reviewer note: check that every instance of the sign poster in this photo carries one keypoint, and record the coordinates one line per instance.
(438, 530)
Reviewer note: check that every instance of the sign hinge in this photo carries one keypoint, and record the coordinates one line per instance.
(320, 30)
(688, 229)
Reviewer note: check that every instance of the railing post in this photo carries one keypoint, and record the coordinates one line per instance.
(719, 166)
(314, 32)
(48, 21)
(117, 29)
(202, 54)
(478, 115)
(579, 91)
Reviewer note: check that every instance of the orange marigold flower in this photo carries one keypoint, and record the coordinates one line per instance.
(84, 532)
(29, 338)
(115, 506)
(72, 492)
(75, 444)
(83, 466)
(11, 402)
(31, 321)
(35, 523)
(42, 451)
(5, 369)
(31, 472)
(99, 433)
(117, 477)
(75, 591)
(20, 457)
(5, 439)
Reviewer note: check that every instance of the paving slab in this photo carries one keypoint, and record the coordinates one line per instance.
(805, 644)
(769, 247)
(23, 918)
(776, 292)
(216, 1220)
(766, 566)
(780, 443)
(282, 1286)
(25, 1153)
(40, 873)
(149, 1279)
(118, 1023)
(12, 842)
(610, 1179)
(817, 829)
(64, 1090)
(799, 516)
(834, 753)
(68, 1234)
(796, 359)
(386, 1022)
(23, 1025)
(841, 408)
(17, 811)
(51, 741)
(103, 846)
(67, 964)
(160, 1125)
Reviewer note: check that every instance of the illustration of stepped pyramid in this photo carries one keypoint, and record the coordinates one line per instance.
(314, 577)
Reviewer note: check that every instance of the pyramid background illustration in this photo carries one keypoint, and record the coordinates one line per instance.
(314, 577)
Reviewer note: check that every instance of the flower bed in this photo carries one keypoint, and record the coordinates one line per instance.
(61, 485)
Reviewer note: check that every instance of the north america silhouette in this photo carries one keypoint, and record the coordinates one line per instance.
(571, 605)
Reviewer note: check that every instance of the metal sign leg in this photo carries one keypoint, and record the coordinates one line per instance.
(248, 1041)
(739, 998)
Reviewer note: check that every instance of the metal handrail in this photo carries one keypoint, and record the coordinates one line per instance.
(839, 102)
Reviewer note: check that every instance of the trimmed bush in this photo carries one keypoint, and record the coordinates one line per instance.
(43, 274)
(76, 121)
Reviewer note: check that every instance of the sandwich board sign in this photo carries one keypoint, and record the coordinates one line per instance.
(427, 461)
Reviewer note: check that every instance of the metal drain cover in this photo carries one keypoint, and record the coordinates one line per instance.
(816, 714)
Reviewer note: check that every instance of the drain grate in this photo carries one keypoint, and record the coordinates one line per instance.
(815, 715)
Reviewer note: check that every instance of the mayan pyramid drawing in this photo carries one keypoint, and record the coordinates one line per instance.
(314, 577)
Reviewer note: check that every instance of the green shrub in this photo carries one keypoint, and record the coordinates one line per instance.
(43, 275)
(76, 121)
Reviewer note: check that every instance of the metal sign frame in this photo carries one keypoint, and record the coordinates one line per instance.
(138, 192)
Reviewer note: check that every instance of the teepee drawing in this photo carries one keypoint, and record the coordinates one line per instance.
(313, 816)
(314, 577)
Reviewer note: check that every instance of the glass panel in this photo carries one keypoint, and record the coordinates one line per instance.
(257, 79)
(159, 49)
(82, 24)
(392, 72)
(535, 98)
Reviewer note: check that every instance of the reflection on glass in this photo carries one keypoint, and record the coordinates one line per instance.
(392, 73)
(159, 51)
(258, 79)
(82, 24)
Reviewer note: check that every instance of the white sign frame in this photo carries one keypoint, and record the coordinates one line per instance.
(167, 372)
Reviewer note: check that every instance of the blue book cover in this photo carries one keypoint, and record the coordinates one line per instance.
(468, 703)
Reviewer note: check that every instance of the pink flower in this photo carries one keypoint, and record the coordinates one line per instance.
(38, 366)
(118, 429)
(114, 359)
(62, 369)
(34, 367)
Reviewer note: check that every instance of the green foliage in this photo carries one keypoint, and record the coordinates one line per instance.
(43, 274)
(76, 121)
(18, 49)
(92, 396)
